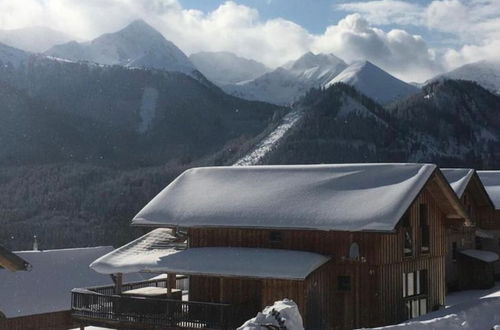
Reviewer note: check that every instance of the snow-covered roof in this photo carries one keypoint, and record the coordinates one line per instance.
(228, 262)
(484, 233)
(491, 182)
(458, 178)
(46, 288)
(486, 256)
(141, 255)
(12, 261)
(350, 197)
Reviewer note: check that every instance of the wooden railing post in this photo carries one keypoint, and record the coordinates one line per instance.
(118, 280)
(171, 282)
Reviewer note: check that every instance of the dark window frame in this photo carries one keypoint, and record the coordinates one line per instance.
(344, 283)
(454, 250)
(425, 239)
(408, 242)
(275, 236)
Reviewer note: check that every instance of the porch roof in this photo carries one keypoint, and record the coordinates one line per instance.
(217, 261)
(486, 256)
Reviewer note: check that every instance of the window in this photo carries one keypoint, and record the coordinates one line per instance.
(479, 243)
(454, 251)
(415, 293)
(408, 237)
(344, 283)
(275, 237)
(424, 229)
(354, 251)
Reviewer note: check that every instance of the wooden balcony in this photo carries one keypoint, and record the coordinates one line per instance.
(99, 306)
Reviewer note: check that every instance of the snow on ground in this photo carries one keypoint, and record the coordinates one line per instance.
(91, 328)
(469, 310)
(282, 313)
(289, 120)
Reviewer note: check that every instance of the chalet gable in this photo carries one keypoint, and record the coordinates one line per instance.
(491, 182)
(463, 179)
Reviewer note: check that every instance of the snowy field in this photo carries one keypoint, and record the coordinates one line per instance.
(469, 310)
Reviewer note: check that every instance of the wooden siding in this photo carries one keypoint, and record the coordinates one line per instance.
(48, 321)
(376, 294)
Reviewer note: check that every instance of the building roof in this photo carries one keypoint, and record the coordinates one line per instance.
(11, 261)
(485, 256)
(484, 233)
(140, 255)
(491, 182)
(223, 261)
(47, 287)
(350, 197)
(458, 178)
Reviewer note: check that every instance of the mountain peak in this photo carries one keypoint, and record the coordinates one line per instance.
(136, 45)
(374, 82)
(139, 25)
(139, 30)
(311, 60)
(486, 73)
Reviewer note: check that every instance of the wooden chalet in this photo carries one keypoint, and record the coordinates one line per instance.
(489, 220)
(353, 245)
(467, 265)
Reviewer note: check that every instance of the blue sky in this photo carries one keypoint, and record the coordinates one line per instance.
(314, 15)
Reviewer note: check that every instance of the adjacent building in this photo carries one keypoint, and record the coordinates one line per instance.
(38, 299)
(469, 264)
(354, 245)
(490, 219)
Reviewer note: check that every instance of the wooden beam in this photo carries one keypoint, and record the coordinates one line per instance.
(118, 280)
(171, 282)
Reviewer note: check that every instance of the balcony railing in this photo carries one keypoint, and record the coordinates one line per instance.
(99, 306)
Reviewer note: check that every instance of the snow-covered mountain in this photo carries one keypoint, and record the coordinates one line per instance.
(374, 82)
(450, 122)
(288, 83)
(34, 39)
(485, 73)
(136, 45)
(224, 68)
(12, 56)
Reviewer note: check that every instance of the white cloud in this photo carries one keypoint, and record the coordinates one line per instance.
(404, 55)
(240, 29)
(474, 24)
(383, 12)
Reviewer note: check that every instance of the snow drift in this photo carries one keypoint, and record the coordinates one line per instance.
(283, 314)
